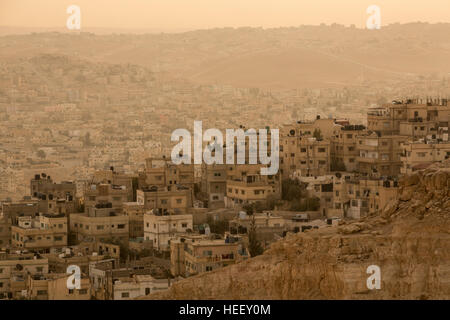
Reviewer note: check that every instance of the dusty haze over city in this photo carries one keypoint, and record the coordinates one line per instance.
(87, 115)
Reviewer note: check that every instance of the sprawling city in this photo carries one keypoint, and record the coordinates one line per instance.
(232, 163)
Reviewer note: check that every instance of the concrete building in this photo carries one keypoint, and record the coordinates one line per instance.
(160, 228)
(418, 154)
(246, 185)
(41, 233)
(99, 224)
(127, 288)
(135, 212)
(198, 255)
(214, 184)
(344, 148)
(14, 270)
(53, 286)
(173, 198)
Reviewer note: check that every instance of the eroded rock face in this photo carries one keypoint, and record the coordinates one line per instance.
(409, 240)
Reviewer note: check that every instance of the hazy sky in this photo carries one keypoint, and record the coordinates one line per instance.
(200, 14)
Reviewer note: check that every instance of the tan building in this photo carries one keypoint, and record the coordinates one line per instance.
(344, 148)
(380, 155)
(413, 117)
(53, 198)
(369, 195)
(5, 232)
(161, 228)
(99, 224)
(41, 233)
(173, 198)
(418, 154)
(161, 172)
(305, 147)
(127, 288)
(81, 255)
(135, 212)
(26, 207)
(245, 185)
(203, 255)
(14, 270)
(105, 193)
(53, 286)
(214, 184)
(118, 179)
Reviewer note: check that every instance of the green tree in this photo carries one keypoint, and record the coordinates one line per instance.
(254, 246)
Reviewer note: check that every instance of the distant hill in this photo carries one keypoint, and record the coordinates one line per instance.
(307, 56)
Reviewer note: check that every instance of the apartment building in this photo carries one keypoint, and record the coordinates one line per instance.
(305, 147)
(53, 286)
(418, 154)
(99, 223)
(43, 184)
(40, 234)
(380, 155)
(14, 270)
(203, 255)
(53, 198)
(175, 199)
(103, 193)
(161, 172)
(127, 288)
(135, 212)
(214, 184)
(5, 232)
(245, 185)
(116, 178)
(160, 227)
(344, 148)
(81, 255)
(367, 195)
(23, 208)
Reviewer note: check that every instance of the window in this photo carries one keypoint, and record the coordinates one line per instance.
(83, 291)
(349, 135)
(41, 292)
(58, 238)
(125, 294)
(179, 200)
(321, 149)
(303, 150)
(184, 225)
(70, 291)
(120, 226)
(100, 227)
(163, 201)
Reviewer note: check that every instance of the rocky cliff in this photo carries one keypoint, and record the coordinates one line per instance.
(409, 240)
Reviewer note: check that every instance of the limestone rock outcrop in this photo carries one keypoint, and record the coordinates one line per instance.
(409, 240)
